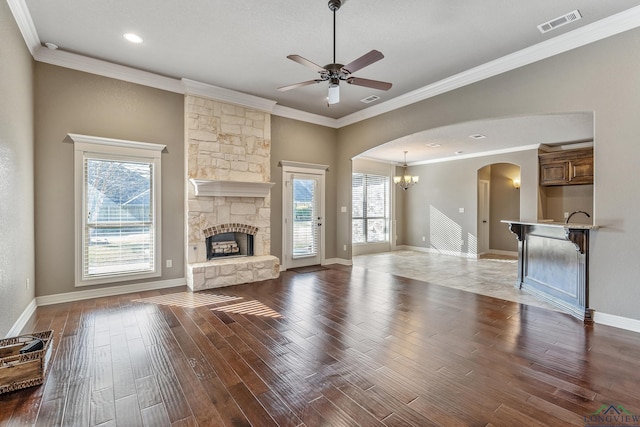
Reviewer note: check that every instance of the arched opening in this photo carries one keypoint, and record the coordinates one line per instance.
(498, 199)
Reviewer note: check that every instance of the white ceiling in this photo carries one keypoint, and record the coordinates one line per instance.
(242, 45)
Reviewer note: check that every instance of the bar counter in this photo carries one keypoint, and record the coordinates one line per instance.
(553, 263)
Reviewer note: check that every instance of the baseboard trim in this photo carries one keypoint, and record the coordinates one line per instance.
(436, 251)
(620, 322)
(110, 291)
(340, 261)
(500, 252)
(23, 319)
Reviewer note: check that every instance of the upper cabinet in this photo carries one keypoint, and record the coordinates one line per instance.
(567, 167)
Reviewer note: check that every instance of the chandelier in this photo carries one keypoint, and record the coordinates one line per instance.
(405, 181)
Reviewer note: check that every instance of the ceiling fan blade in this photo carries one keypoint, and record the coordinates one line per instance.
(297, 85)
(374, 84)
(363, 61)
(300, 60)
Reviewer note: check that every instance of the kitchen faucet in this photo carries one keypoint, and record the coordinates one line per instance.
(575, 212)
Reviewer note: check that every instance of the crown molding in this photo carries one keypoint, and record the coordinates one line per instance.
(303, 116)
(106, 69)
(610, 26)
(22, 16)
(193, 87)
(607, 27)
(479, 154)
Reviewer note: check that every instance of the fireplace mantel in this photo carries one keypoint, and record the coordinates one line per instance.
(209, 187)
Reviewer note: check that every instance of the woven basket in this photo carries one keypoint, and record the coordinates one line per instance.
(19, 371)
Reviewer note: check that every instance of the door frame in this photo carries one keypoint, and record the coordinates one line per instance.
(309, 169)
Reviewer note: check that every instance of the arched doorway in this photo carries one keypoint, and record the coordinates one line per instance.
(498, 199)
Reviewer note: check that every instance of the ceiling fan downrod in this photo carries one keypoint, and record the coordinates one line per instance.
(334, 5)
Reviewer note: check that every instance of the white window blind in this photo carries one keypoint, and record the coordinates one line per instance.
(370, 208)
(305, 214)
(118, 233)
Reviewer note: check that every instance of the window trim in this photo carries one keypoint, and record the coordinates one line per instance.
(125, 150)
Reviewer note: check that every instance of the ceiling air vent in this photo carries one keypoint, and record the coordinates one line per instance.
(560, 21)
(370, 99)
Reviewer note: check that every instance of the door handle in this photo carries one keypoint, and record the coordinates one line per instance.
(484, 221)
(319, 224)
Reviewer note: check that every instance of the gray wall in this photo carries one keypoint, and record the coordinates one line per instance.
(70, 101)
(16, 173)
(504, 203)
(307, 143)
(432, 208)
(601, 77)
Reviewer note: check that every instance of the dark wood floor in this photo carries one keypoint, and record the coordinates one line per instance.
(341, 347)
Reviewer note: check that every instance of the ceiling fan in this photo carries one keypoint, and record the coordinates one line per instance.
(334, 73)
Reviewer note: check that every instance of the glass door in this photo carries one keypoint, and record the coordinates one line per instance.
(303, 219)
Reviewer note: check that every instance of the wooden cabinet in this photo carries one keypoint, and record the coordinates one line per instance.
(567, 167)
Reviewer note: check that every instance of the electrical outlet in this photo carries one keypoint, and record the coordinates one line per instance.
(344, 248)
(169, 263)
(460, 210)
(424, 239)
(566, 215)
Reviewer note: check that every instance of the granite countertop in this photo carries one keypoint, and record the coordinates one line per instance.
(571, 225)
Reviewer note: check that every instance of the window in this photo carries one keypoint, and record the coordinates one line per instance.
(370, 208)
(117, 210)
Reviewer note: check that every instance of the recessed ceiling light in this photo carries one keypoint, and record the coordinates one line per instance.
(133, 38)
(459, 152)
(477, 136)
(433, 144)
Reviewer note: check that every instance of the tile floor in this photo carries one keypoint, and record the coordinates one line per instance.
(488, 276)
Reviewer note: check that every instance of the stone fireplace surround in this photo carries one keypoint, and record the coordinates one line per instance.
(227, 145)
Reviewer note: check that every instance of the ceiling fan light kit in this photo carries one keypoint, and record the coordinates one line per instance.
(334, 72)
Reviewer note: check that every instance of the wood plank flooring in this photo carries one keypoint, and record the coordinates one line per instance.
(339, 346)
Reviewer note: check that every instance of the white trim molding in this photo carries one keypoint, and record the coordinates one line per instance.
(626, 323)
(17, 327)
(107, 69)
(193, 87)
(607, 27)
(291, 166)
(340, 261)
(22, 16)
(109, 291)
(209, 187)
(119, 143)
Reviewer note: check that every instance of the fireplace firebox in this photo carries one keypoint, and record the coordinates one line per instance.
(229, 245)
(229, 240)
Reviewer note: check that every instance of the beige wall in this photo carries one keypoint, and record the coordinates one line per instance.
(70, 101)
(303, 142)
(601, 77)
(16, 173)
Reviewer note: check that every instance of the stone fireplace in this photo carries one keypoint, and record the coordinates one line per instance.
(228, 169)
